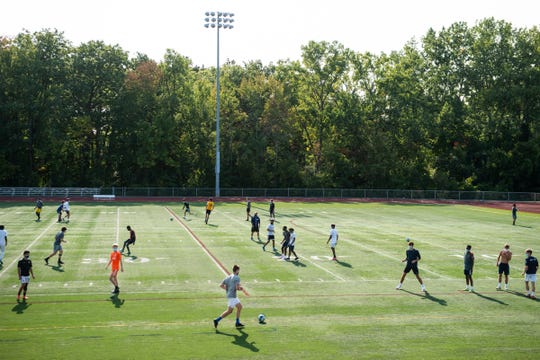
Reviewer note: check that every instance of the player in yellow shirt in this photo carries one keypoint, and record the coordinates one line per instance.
(209, 208)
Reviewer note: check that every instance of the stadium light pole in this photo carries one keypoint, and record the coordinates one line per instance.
(218, 20)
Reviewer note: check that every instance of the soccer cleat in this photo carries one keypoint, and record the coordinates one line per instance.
(216, 323)
(296, 259)
(398, 286)
(60, 262)
(46, 261)
(423, 288)
(334, 259)
(239, 325)
(264, 248)
(498, 287)
(287, 258)
(275, 249)
(471, 289)
(506, 287)
(25, 297)
(533, 297)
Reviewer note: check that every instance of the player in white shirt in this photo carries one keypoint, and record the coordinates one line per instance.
(333, 239)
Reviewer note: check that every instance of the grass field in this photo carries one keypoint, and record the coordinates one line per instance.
(315, 308)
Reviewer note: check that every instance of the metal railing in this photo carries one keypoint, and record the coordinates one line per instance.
(323, 193)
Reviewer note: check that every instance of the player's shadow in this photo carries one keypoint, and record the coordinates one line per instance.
(212, 225)
(489, 298)
(427, 295)
(257, 241)
(21, 307)
(116, 301)
(519, 294)
(241, 340)
(344, 264)
(297, 263)
(57, 268)
(525, 226)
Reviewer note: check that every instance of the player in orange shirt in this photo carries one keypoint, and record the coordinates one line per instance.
(117, 264)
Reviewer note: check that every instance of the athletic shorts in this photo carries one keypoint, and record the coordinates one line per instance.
(271, 237)
(38, 211)
(333, 244)
(530, 277)
(57, 248)
(254, 229)
(232, 302)
(504, 269)
(467, 272)
(411, 266)
(291, 247)
(25, 279)
(285, 244)
(208, 212)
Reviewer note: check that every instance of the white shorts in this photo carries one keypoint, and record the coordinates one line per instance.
(333, 244)
(530, 277)
(25, 279)
(232, 302)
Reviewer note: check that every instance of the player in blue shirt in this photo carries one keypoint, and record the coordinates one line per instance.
(412, 256)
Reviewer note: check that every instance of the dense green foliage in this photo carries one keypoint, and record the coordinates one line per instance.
(458, 110)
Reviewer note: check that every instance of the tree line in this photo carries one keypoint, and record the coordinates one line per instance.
(458, 109)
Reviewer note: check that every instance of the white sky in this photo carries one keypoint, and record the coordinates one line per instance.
(267, 30)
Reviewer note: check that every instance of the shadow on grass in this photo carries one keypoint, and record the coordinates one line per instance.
(116, 301)
(525, 226)
(519, 294)
(344, 264)
(57, 268)
(490, 298)
(297, 263)
(241, 340)
(212, 225)
(21, 307)
(427, 295)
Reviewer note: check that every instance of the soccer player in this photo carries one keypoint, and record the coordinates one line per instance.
(3, 243)
(333, 239)
(285, 242)
(505, 255)
(57, 247)
(412, 256)
(514, 214)
(186, 208)
(292, 243)
(115, 259)
(37, 209)
(255, 224)
(531, 266)
(231, 284)
(271, 235)
(209, 208)
(272, 210)
(468, 265)
(66, 209)
(24, 269)
(131, 240)
(59, 210)
(248, 210)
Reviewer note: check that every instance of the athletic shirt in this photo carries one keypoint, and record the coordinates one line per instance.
(270, 229)
(255, 220)
(3, 236)
(334, 234)
(115, 257)
(468, 260)
(292, 239)
(532, 265)
(231, 282)
(412, 254)
(25, 265)
(58, 238)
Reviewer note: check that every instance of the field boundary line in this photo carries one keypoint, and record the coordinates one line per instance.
(199, 242)
(27, 248)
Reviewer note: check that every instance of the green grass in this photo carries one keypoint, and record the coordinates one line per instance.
(316, 308)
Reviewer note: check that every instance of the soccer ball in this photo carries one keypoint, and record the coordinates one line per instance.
(261, 318)
(407, 239)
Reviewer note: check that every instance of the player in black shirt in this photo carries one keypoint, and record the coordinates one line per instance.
(412, 257)
(24, 269)
(530, 269)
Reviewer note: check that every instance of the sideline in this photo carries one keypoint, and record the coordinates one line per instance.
(27, 248)
(199, 242)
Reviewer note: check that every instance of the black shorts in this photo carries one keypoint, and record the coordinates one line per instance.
(208, 212)
(467, 272)
(254, 228)
(271, 237)
(504, 268)
(411, 266)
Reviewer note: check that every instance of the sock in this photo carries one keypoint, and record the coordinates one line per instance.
(218, 319)
(238, 320)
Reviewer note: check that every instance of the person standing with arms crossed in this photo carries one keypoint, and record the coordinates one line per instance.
(24, 270)
(115, 260)
(57, 247)
(412, 256)
(531, 266)
(468, 265)
(231, 284)
(505, 255)
(3, 243)
(333, 239)
(209, 208)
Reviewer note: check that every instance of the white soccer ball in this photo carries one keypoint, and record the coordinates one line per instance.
(261, 318)
(407, 239)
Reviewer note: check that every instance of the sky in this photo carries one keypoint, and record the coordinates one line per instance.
(266, 30)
